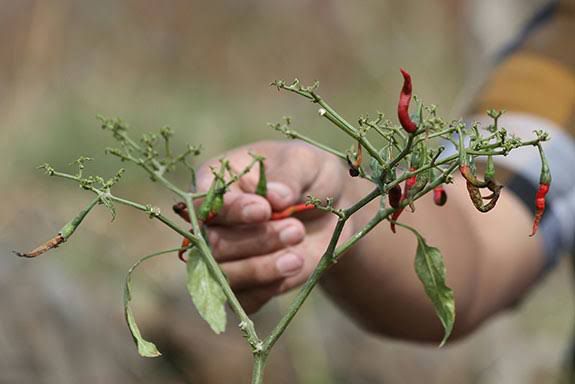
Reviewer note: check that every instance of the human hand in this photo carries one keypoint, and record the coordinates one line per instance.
(264, 258)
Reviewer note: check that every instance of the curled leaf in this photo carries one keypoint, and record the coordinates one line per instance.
(145, 348)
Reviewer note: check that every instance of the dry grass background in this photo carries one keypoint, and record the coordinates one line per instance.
(203, 68)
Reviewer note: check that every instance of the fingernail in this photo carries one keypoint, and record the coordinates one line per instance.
(254, 212)
(291, 235)
(289, 264)
(281, 190)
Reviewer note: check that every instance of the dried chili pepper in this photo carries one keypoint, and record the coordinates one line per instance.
(394, 197)
(182, 211)
(413, 185)
(544, 183)
(403, 105)
(184, 246)
(356, 163)
(64, 233)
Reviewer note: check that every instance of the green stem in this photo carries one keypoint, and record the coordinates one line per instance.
(259, 367)
(340, 122)
(296, 135)
(325, 261)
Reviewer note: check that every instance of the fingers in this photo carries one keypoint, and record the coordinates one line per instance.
(291, 168)
(230, 244)
(243, 208)
(260, 271)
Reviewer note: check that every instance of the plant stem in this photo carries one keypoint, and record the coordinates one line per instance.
(296, 135)
(325, 261)
(259, 367)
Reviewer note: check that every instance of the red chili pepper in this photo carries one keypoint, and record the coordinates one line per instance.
(181, 209)
(544, 183)
(439, 195)
(403, 105)
(291, 210)
(539, 206)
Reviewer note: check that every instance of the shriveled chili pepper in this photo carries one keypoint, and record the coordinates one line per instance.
(468, 175)
(182, 211)
(356, 163)
(544, 184)
(289, 211)
(64, 233)
(439, 195)
(403, 105)
(394, 197)
(477, 199)
(185, 244)
(464, 167)
(409, 183)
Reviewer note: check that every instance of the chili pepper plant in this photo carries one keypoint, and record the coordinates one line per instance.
(411, 163)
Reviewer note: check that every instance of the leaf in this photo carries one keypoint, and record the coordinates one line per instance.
(207, 294)
(145, 348)
(430, 269)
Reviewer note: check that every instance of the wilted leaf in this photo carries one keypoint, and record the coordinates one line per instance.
(206, 292)
(431, 271)
(145, 348)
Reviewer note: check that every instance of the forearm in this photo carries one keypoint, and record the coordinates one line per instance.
(376, 284)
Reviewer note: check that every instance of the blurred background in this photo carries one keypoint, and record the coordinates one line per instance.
(203, 68)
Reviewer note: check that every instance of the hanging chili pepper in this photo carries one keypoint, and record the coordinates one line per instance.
(413, 185)
(439, 195)
(181, 210)
(185, 244)
(544, 184)
(356, 163)
(403, 105)
(394, 197)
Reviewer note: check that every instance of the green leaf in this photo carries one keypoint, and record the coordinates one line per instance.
(430, 269)
(145, 348)
(206, 292)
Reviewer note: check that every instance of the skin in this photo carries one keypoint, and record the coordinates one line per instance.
(490, 259)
